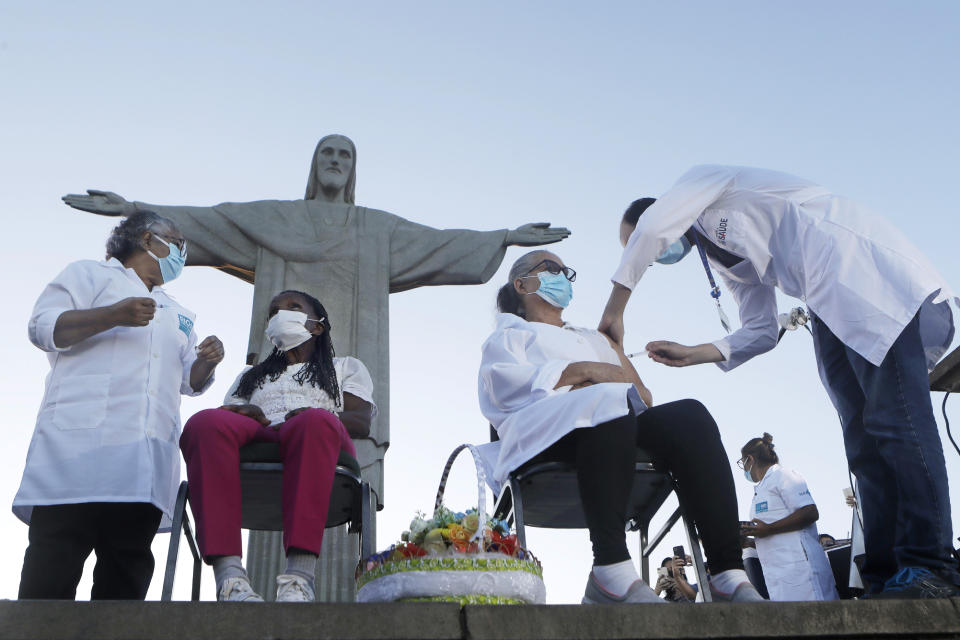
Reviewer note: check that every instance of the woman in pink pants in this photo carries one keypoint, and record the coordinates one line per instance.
(311, 403)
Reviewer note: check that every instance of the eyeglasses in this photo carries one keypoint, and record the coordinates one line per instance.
(554, 268)
(181, 243)
(741, 462)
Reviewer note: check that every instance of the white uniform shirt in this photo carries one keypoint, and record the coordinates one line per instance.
(854, 270)
(277, 397)
(521, 363)
(795, 566)
(109, 423)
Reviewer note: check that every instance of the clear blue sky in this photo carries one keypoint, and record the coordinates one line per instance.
(482, 116)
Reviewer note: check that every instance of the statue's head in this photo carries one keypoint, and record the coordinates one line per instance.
(333, 170)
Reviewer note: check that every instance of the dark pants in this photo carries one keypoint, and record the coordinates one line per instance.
(894, 450)
(755, 572)
(62, 537)
(683, 439)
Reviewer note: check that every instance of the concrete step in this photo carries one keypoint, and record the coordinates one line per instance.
(39, 620)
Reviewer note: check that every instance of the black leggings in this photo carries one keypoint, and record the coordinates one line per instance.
(683, 439)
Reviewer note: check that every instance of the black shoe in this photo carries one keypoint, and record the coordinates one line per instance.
(915, 583)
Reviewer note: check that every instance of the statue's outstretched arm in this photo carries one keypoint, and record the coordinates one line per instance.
(534, 234)
(215, 240)
(104, 203)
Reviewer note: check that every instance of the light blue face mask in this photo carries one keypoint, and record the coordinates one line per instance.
(675, 252)
(171, 265)
(746, 473)
(554, 288)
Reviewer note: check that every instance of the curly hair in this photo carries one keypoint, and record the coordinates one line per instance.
(318, 371)
(125, 237)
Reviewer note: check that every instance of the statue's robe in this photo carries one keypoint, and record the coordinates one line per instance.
(350, 258)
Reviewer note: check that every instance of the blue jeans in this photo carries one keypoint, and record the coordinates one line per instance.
(894, 450)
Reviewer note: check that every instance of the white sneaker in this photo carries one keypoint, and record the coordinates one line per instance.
(639, 592)
(745, 592)
(291, 588)
(237, 590)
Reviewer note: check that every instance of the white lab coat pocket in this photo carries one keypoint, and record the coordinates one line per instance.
(80, 402)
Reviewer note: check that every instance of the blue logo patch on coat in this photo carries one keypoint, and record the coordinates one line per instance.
(761, 506)
(186, 324)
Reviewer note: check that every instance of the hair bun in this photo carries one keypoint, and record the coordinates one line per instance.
(767, 438)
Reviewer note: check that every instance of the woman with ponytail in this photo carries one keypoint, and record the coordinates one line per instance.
(308, 401)
(784, 517)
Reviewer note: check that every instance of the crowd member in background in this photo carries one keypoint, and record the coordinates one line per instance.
(826, 540)
(103, 465)
(556, 391)
(310, 402)
(784, 527)
(674, 585)
(881, 320)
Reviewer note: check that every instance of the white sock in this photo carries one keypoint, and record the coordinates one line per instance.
(616, 578)
(226, 567)
(303, 564)
(728, 581)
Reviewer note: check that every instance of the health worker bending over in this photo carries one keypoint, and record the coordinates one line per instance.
(312, 404)
(784, 525)
(551, 388)
(881, 320)
(103, 464)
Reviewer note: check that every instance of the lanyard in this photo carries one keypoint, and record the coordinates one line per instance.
(714, 289)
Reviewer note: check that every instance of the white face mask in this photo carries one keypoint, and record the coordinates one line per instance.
(287, 329)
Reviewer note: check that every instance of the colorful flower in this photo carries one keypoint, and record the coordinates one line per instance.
(471, 522)
(433, 542)
(459, 537)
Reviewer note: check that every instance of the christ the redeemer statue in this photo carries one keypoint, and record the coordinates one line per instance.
(351, 258)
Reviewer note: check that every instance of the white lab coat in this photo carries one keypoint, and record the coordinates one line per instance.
(521, 363)
(795, 566)
(854, 270)
(109, 423)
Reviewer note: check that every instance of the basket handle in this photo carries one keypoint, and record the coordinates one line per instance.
(481, 487)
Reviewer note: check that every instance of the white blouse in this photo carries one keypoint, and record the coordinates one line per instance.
(284, 394)
(521, 363)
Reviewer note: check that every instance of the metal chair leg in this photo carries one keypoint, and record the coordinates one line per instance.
(518, 512)
(197, 560)
(644, 557)
(179, 512)
(693, 538)
(366, 524)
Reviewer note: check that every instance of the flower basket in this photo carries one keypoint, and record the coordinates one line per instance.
(464, 557)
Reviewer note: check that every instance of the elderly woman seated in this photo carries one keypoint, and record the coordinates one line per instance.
(548, 387)
(312, 404)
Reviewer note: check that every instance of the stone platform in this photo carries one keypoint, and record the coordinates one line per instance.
(35, 620)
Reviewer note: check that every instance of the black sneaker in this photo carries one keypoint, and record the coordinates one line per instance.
(915, 583)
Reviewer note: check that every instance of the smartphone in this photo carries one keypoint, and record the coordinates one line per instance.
(745, 523)
(679, 553)
(663, 572)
